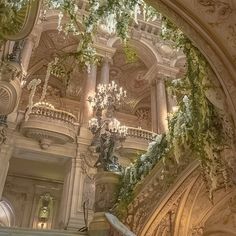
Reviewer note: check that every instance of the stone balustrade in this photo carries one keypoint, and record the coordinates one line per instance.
(141, 134)
(53, 113)
(49, 125)
(136, 140)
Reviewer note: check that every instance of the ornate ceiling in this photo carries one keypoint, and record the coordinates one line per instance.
(128, 75)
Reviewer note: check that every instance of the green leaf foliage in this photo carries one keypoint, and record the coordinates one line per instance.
(195, 129)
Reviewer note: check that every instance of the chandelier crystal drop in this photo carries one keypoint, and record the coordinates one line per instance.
(107, 95)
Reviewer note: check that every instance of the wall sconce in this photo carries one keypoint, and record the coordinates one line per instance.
(44, 210)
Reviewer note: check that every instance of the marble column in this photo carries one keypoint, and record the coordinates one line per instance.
(154, 107)
(25, 60)
(161, 105)
(26, 53)
(89, 90)
(105, 71)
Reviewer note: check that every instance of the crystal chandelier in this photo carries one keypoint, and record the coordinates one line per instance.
(108, 97)
(107, 130)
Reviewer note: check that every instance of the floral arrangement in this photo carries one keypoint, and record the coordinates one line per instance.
(195, 128)
(113, 16)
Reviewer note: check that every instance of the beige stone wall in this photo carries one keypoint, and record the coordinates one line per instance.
(23, 192)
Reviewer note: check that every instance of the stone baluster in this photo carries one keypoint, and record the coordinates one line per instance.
(161, 102)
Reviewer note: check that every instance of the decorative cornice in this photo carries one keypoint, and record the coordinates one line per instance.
(104, 51)
(161, 71)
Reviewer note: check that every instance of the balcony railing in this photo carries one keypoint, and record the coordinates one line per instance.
(49, 125)
(53, 113)
(141, 133)
(137, 139)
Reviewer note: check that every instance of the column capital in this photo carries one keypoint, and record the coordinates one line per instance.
(159, 78)
(107, 59)
(159, 71)
(104, 51)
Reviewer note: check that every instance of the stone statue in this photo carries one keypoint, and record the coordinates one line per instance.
(16, 52)
(106, 148)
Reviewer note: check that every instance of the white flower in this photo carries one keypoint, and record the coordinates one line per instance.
(158, 138)
(151, 144)
(185, 99)
(143, 157)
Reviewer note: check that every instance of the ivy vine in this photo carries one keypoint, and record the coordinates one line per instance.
(10, 21)
(196, 128)
(114, 16)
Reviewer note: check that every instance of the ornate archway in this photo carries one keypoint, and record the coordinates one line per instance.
(210, 24)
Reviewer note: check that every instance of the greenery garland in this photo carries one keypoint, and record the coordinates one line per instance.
(9, 23)
(114, 16)
(196, 127)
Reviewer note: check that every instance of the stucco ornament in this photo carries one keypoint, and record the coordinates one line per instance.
(9, 71)
(217, 11)
(3, 129)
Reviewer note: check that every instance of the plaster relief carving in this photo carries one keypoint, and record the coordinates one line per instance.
(89, 192)
(3, 134)
(232, 34)
(217, 11)
(144, 117)
(145, 202)
(197, 231)
(224, 216)
(105, 197)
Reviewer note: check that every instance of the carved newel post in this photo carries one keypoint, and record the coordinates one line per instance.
(108, 133)
(107, 185)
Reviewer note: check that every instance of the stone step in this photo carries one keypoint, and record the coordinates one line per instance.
(32, 232)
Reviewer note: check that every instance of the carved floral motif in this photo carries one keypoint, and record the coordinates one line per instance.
(3, 135)
(217, 10)
(145, 202)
